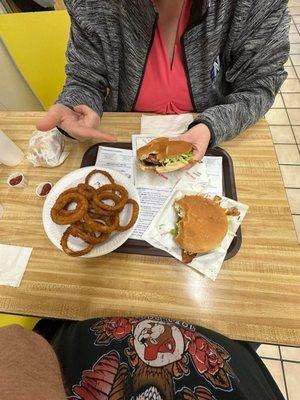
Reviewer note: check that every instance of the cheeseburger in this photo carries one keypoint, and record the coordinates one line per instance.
(201, 226)
(164, 155)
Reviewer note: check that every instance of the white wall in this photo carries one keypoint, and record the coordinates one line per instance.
(15, 94)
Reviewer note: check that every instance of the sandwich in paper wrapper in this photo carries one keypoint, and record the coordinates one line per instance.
(205, 225)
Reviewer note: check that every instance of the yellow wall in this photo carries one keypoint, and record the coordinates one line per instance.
(37, 43)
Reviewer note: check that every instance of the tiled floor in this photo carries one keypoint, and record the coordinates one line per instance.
(284, 365)
(284, 119)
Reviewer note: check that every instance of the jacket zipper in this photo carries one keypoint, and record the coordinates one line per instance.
(145, 64)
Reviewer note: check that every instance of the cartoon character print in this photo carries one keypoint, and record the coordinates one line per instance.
(158, 353)
(158, 344)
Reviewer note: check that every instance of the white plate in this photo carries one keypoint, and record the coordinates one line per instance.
(55, 232)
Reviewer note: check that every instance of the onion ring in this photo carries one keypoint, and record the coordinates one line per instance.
(73, 215)
(112, 187)
(134, 216)
(99, 171)
(98, 203)
(87, 190)
(96, 226)
(67, 250)
(92, 220)
(79, 230)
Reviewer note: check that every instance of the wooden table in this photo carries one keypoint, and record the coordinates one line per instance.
(255, 297)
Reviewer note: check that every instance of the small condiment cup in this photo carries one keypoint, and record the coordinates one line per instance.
(39, 188)
(23, 182)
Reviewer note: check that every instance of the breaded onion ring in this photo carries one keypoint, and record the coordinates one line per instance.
(96, 226)
(134, 216)
(72, 215)
(99, 171)
(87, 190)
(67, 250)
(81, 231)
(106, 188)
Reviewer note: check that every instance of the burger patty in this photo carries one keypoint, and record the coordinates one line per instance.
(151, 160)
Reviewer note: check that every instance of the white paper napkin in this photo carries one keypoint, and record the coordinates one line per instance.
(158, 233)
(165, 125)
(13, 262)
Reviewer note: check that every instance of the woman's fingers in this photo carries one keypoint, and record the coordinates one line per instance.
(48, 122)
(84, 133)
(54, 117)
(197, 154)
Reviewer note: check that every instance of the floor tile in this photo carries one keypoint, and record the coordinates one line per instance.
(293, 29)
(296, 19)
(294, 37)
(297, 70)
(289, 62)
(293, 196)
(291, 176)
(291, 100)
(276, 371)
(287, 153)
(294, 48)
(295, 59)
(296, 219)
(294, 10)
(296, 130)
(290, 86)
(278, 103)
(294, 114)
(282, 134)
(277, 117)
(290, 353)
(291, 72)
(292, 374)
(269, 351)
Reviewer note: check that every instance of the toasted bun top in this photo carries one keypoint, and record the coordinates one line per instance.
(164, 148)
(203, 226)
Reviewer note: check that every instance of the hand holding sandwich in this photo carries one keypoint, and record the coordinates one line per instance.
(199, 136)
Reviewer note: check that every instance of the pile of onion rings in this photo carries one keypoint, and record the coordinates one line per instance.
(92, 220)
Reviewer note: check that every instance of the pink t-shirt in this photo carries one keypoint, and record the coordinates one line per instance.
(164, 89)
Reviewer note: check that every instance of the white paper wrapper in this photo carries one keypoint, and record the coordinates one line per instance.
(46, 149)
(165, 125)
(158, 233)
(151, 179)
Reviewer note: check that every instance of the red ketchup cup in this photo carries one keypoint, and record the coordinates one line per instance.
(17, 180)
(43, 189)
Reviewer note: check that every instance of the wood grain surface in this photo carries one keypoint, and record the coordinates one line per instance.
(255, 297)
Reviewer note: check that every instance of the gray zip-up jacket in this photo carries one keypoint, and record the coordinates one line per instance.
(234, 54)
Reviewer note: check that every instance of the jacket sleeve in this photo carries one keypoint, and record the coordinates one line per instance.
(255, 69)
(86, 81)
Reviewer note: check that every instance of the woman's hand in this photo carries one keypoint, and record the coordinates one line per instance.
(81, 124)
(199, 136)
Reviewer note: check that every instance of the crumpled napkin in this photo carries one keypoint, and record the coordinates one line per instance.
(158, 233)
(13, 262)
(46, 149)
(165, 125)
